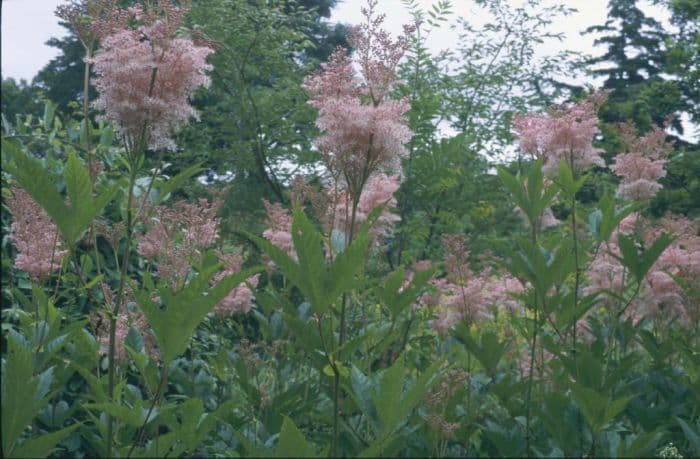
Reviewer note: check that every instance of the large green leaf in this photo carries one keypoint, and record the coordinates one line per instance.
(320, 282)
(597, 409)
(23, 393)
(42, 445)
(398, 301)
(292, 442)
(691, 435)
(488, 350)
(639, 263)
(166, 187)
(71, 219)
(183, 310)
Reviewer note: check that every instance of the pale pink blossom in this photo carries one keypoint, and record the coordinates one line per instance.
(567, 133)
(642, 165)
(545, 221)
(39, 246)
(240, 299)
(362, 131)
(279, 230)
(176, 237)
(468, 297)
(146, 75)
(378, 191)
(660, 297)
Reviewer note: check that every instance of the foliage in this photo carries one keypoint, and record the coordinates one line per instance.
(518, 309)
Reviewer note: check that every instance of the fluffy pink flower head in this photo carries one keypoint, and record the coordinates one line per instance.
(378, 191)
(35, 236)
(127, 319)
(465, 296)
(279, 231)
(176, 236)
(145, 76)
(643, 164)
(362, 130)
(661, 297)
(567, 133)
(240, 299)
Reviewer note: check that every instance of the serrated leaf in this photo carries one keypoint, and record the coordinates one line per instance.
(72, 219)
(292, 442)
(182, 311)
(165, 188)
(691, 435)
(43, 445)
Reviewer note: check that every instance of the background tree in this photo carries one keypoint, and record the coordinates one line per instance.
(461, 107)
(256, 126)
(19, 97)
(651, 74)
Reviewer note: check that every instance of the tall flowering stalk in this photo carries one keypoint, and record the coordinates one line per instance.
(146, 74)
(362, 130)
(565, 134)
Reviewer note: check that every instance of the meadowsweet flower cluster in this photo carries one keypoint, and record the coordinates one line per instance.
(146, 74)
(279, 230)
(643, 164)
(36, 237)
(240, 299)
(661, 296)
(363, 130)
(334, 209)
(92, 20)
(176, 236)
(464, 296)
(567, 133)
(379, 191)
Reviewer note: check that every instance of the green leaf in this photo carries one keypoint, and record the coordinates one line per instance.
(388, 400)
(362, 389)
(182, 311)
(308, 244)
(397, 302)
(610, 218)
(43, 445)
(165, 188)
(641, 445)
(19, 391)
(691, 435)
(591, 404)
(34, 179)
(49, 109)
(639, 264)
(488, 350)
(130, 416)
(292, 442)
(597, 410)
(72, 219)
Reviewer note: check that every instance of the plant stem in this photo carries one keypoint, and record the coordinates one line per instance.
(119, 299)
(530, 381)
(156, 397)
(577, 279)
